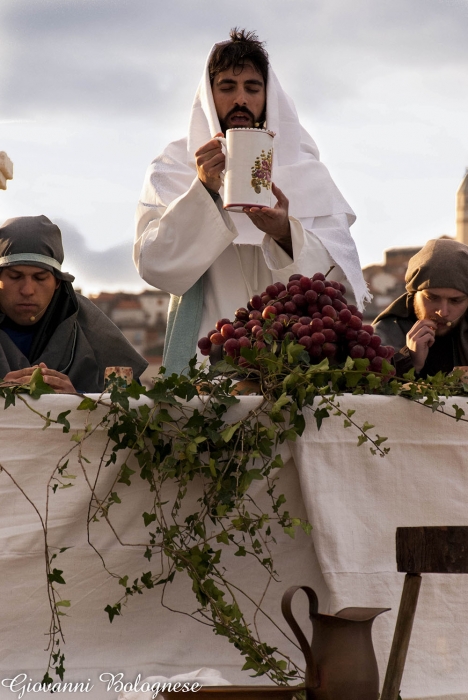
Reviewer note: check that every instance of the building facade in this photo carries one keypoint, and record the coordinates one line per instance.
(142, 320)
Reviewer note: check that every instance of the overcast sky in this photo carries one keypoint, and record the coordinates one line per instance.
(92, 90)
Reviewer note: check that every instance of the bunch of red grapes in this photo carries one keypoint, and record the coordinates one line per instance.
(311, 311)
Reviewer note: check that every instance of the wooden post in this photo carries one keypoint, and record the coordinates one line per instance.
(401, 637)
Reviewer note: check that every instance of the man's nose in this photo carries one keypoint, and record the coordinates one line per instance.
(28, 287)
(443, 309)
(240, 97)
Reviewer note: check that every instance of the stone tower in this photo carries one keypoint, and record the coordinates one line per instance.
(462, 211)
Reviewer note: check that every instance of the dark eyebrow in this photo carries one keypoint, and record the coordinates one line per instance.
(231, 81)
(459, 297)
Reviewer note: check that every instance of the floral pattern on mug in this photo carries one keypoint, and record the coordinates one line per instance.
(261, 171)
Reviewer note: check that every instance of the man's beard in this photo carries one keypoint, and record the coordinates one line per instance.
(421, 313)
(256, 123)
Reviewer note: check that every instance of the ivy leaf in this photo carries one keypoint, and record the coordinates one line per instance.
(9, 396)
(319, 415)
(125, 474)
(361, 364)
(149, 518)
(352, 379)
(380, 440)
(37, 385)
(146, 580)
(299, 424)
(459, 412)
(62, 420)
(87, 404)
(56, 576)
(229, 432)
(282, 401)
(113, 611)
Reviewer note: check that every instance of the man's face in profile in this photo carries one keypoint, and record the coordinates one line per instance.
(239, 96)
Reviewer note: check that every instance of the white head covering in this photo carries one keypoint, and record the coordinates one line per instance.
(297, 171)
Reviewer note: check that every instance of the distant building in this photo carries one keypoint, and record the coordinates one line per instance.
(142, 320)
(386, 281)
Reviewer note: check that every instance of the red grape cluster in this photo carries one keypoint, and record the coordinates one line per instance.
(311, 311)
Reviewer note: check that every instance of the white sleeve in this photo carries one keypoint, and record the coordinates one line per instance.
(310, 255)
(175, 245)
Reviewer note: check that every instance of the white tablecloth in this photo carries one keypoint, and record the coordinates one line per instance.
(354, 501)
(147, 639)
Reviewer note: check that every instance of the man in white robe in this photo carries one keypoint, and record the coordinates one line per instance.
(212, 262)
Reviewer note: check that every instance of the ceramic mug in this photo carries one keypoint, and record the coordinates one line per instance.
(249, 161)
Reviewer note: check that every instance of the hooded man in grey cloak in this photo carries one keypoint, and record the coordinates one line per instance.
(44, 322)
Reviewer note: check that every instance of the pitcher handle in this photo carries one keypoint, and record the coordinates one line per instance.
(222, 141)
(312, 675)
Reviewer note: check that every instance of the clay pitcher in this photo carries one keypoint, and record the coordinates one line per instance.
(340, 662)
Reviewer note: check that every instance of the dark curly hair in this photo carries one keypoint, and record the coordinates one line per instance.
(244, 47)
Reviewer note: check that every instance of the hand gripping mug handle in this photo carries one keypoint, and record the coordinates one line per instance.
(222, 141)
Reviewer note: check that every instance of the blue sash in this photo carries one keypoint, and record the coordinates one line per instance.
(183, 327)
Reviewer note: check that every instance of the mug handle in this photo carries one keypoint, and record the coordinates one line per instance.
(222, 141)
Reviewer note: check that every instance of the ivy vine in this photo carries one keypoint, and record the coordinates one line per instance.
(178, 432)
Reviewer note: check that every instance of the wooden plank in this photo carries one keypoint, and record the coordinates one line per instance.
(441, 550)
(401, 637)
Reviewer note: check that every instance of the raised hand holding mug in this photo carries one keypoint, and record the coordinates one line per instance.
(249, 161)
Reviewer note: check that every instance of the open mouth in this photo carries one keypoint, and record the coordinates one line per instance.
(240, 119)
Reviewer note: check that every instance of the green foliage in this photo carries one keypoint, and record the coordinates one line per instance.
(172, 436)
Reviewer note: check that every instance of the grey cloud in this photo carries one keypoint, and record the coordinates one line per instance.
(109, 268)
(120, 57)
(106, 57)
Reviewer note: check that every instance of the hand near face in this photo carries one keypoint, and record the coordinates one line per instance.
(274, 221)
(59, 382)
(418, 341)
(210, 162)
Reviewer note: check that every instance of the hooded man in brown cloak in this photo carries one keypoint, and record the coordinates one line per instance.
(44, 323)
(428, 326)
